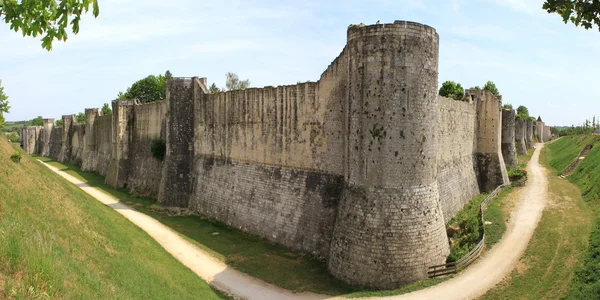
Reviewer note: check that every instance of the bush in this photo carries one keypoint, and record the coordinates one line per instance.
(158, 149)
(470, 229)
(517, 175)
(16, 157)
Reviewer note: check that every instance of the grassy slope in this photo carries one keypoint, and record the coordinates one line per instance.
(560, 241)
(56, 240)
(565, 150)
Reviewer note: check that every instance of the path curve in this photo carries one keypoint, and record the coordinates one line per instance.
(473, 282)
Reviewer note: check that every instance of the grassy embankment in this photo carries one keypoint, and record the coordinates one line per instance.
(560, 243)
(58, 242)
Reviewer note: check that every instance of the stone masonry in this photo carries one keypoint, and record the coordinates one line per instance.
(509, 151)
(362, 168)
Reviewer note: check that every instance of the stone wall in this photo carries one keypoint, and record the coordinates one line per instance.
(520, 128)
(509, 151)
(146, 170)
(29, 138)
(362, 168)
(491, 170)
(457, 180)
(529, 134)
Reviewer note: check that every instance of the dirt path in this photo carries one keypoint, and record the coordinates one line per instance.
(473, 282)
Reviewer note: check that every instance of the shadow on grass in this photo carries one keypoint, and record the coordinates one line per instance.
(247, 253)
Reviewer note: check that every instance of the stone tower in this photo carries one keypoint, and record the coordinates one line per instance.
(390, 225)
(89, 154)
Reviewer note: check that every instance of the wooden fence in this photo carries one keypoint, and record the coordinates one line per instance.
(465, 261)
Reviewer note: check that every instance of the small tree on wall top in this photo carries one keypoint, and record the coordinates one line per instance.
(490, 86)
(106, 110)
(452, 90)
(233, 82)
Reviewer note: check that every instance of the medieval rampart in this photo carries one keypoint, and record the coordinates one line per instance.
(362, 168)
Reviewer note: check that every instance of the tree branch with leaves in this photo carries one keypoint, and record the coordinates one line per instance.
(48, 18)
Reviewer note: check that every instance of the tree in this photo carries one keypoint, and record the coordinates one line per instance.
(80, 118)
(4, 107)
(168, 75)
(522, 110)
(233, 82)
(106, 110)
(477, 88)
(59, 122)
(507, 105)
(149, 89)
(39, 121)
(584, 13)
(452, 90)
(49, 18)
(490, 86)
(214, 88)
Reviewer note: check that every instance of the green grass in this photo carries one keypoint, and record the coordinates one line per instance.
(496, 214)
(58, 242)
(564, 151)
(560, 242)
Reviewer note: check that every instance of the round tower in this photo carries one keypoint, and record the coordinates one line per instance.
(390, 227)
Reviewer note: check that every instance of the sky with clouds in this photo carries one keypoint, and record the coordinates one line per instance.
(533, 57)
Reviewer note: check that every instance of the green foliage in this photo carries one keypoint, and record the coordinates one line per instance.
(150, 89)
(49, 18)
(490, 86)
(452, 90)
(233, 82)
(158, 148)
(80, 118)
(574, 130)
(522, 110)
(214, 89)
(106, 110)
(507, 105)
(39, 121)
(477, 88)
(59, 122)
(517, 175)
(4, 107)
(13, 137)
(16, 157)
(470, 230)
(377, 132)
(584, 13)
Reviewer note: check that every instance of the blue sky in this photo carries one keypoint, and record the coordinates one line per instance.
(534, 58)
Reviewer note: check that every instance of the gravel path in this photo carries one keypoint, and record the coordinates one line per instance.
(471, 283)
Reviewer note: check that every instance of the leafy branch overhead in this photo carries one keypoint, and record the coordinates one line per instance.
(48, 18)
(584, 13)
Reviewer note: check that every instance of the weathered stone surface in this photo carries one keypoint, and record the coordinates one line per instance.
(520, 128)
(509, 151)
(29, 138)
(529, 134)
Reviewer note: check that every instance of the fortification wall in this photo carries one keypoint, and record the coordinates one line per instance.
(77, 144)
(457, 180)
(491, 170)
(529, 134)
(269, 160)
(362, 168)
(55, 142)
(509, 151)
(146, 170)
(29, 138)
(103, 144)
(520, 128)
(390, 222)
